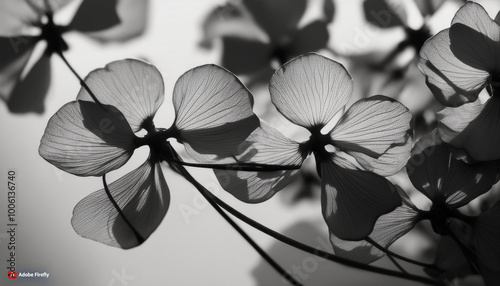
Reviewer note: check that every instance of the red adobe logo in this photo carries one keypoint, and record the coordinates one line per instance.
(12, 274)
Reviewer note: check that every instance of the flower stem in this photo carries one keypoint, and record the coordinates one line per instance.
(82, 82)
(249, 167)
(395, 255)
(179, 168)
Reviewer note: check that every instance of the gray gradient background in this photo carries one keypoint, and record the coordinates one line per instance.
(202, 251)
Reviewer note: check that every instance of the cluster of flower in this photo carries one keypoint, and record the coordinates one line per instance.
(371, 140)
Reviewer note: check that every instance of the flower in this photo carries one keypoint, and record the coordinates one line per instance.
(213, 110)
(371, 140)
(256, 33)
(459, 63)
(111, 21)
(449, 183)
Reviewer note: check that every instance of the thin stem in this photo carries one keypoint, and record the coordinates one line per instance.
(400, 257)
(82, 82)
(138, 236)
(318, 252)
(397, 264)
(264, 255)
(249, 167)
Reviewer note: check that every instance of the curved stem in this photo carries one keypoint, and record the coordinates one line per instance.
(318, 252)
(274, 264)
(82, 82)
(138, 236)
(400, 257)
(249, 167)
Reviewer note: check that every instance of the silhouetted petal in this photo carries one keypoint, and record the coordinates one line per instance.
(16, 52)
(30, 92)
(143, 197)
(312, 37)
(134, 87)
(120, 20)
(377, 132)
(452, 81)
(352, 200)
(85, 139)
(436, 173)
(257, 55)
(310, 89)
(487, 236)
(450, 258)
(213, 112)
(102, 13)
(388, 228)
(276, 17)
(264, 146)
(474, 127)
(232, 22)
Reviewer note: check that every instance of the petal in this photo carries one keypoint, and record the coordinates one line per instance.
(124, 19)
(377, 132)
(16, 16)
(487, 236)
(353, 200)
(474, 127)
(242, 56)
(143, 197)
(29, 93)
(16, 52)
(313, 37)
(85, 140)
(310, 89)
(102, 13)
(434, 171)
(232, 22)
(277, 17)
(213, 112)
(388, 228)
(474, 16)
(264, 146)
(134, 87)
(452, 82)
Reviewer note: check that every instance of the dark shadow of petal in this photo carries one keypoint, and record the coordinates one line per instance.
(311, 38)
(29, 94)
(95, 15)
(242, 56)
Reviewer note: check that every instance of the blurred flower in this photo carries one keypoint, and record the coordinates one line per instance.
(24, 23)
(449, 183)
(371, 140)
(459, 63)
(260, 35)
(213, 110)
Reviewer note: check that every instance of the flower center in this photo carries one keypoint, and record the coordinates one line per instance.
(317, 144)
(417, 38)
(52, 34)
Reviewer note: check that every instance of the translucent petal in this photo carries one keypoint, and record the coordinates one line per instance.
(264, 146)
(15, 54)
(214, 111)
(134, 87)
(452, 81)
(434, 171)
(16, 15)
(487, 236)
(474, 16)
(353, 200)
(388, 228)
(122, 19)
(310, 89)
(85, 140)
(143, 197)
(377, 132)
(474, 127)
